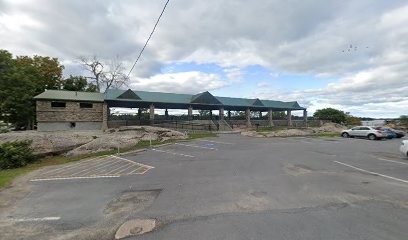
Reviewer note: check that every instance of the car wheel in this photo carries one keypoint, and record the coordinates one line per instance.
(345, 135)
(372, 137)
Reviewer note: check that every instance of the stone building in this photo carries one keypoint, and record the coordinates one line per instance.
(66, 110)
(71, 110)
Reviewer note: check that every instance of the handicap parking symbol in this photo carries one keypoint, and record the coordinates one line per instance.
(208, 145)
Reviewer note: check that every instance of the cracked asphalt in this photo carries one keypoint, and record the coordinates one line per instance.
(233, 187)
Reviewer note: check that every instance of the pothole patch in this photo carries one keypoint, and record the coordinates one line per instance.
(133, 201)
(297, 169)
(135, 227)
(404, 204)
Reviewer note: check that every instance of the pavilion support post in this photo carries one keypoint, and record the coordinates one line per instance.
(105, 114)
(270, 118)
(305, 117)
(190, 113)
(139, 113)
(211, 115)
(248, 117)
(289, 114)
(151, 112)
(260, 114)
(221, 113)
(229, 114)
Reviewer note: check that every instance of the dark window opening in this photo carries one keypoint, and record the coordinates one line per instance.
(72, 124)
(85, 105)
(58, 104)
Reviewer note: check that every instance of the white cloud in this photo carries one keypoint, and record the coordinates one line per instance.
(304, 38)
(263, 84)
(183, 82)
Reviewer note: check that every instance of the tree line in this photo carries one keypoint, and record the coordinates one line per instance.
(23, 77)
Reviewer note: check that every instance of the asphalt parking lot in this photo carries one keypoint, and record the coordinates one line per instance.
(230, 187)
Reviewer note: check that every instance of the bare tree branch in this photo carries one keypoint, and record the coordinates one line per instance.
(105, 75)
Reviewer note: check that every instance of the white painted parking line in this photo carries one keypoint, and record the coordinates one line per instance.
(95, 168)
(204, 140)
(387, 160)
(188, 145)
(73, 165)
(174, 153)
(373, 173)
(36, 219)
(69, 178)
(136, 163)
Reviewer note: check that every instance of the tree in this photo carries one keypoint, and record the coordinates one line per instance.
(403, 120)
(351, 120)
(77, 83)
(204, 114)
(21, 79)
(105, 75)
(45, 72)
(279, 115)
(331, 114)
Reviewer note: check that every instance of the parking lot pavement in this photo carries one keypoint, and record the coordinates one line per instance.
(100, 167)
(230, 187)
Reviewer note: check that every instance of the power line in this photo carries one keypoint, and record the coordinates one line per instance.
(148, 39)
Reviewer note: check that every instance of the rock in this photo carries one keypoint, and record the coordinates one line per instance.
(150, 136)
(326, 128)
(135, 227)
(44, 143)
(81, 142)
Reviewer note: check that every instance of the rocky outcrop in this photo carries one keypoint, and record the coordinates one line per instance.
(80, 142)
(326, 128)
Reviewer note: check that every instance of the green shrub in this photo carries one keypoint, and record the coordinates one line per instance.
(16, 154)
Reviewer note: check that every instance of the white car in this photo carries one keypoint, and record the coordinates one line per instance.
(404, 148)
(364, 131)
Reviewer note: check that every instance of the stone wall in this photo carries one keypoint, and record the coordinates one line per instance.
(71, 113)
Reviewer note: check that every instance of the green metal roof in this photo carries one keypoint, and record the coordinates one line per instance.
(70, 96)
(202, 99)
(113, 94)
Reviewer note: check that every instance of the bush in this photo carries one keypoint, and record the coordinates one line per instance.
(331, 114)
(16, 154)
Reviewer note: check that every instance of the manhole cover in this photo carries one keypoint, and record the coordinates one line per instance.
(135, 227)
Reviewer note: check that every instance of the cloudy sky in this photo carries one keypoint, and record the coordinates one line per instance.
(351, 55)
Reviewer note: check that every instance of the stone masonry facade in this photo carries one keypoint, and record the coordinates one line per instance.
(70, 113)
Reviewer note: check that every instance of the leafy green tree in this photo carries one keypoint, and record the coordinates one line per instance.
(204, 114)
(77, 83)
(21, 79)
(331, 114)
(351, 120)
(279, 115)
(403, 120)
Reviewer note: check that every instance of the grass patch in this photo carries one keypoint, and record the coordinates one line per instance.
(201, 135)
(7, 176)
(271, 129)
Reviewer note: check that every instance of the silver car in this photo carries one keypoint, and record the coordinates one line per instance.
(404, 148)
(364, 131)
